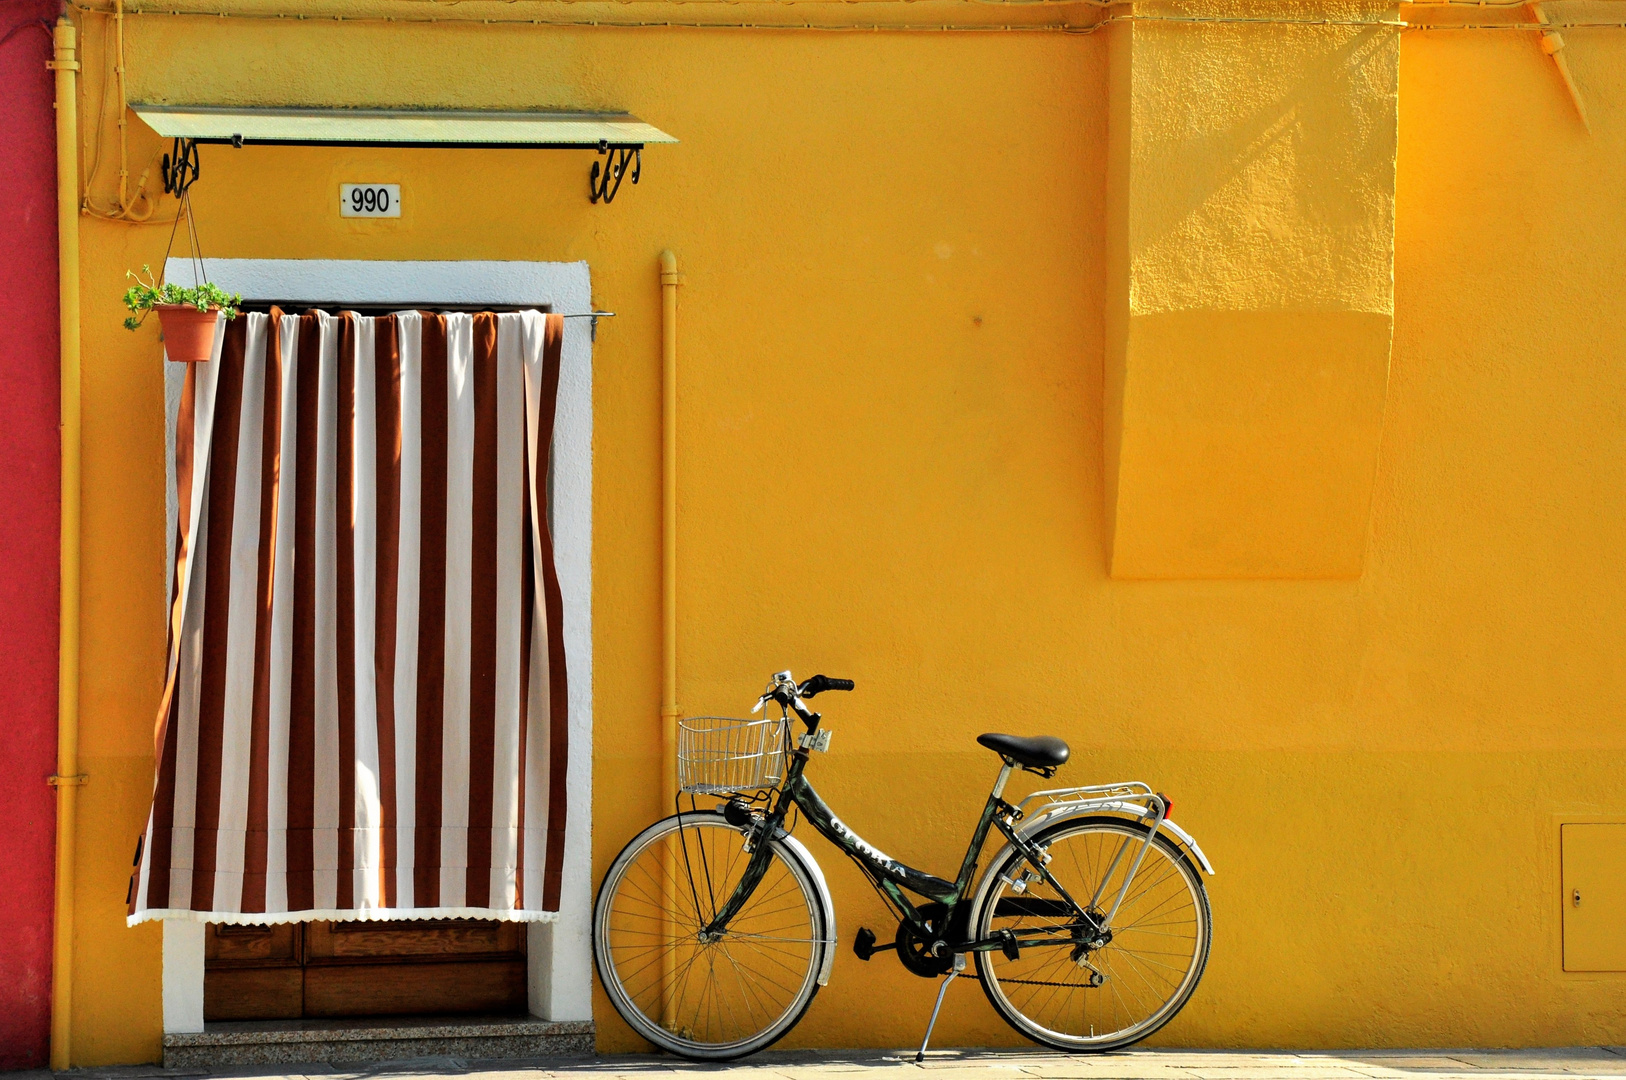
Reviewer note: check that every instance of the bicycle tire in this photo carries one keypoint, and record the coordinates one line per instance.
(1057, 1006)
(659, 893)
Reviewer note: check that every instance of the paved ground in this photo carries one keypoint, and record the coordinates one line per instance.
(965, 1065)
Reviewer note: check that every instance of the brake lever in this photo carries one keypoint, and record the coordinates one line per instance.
(776, 691)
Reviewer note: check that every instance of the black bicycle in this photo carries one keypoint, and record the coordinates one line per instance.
(714, 928)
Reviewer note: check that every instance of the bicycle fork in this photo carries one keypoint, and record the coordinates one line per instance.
(754, 871)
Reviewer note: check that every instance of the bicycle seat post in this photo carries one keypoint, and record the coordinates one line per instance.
(1005, 770)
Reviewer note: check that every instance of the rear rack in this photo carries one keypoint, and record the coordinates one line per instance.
(1129, 796)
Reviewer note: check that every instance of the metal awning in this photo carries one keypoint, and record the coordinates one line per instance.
(621, 136)
(399, 127)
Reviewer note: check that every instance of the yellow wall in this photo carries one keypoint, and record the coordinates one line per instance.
(1250, 239)
(896, 255)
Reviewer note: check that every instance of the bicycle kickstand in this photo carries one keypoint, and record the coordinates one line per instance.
(959, 966)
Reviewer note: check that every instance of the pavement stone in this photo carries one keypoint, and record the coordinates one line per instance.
(1599, 1062)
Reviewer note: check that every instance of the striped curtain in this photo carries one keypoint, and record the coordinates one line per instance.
(364, 715)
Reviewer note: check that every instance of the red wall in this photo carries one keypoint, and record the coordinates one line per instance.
(28, 530)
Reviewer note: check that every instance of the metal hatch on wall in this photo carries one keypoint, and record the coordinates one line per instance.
(619, 137)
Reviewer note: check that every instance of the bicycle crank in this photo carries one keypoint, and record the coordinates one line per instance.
(916, 952)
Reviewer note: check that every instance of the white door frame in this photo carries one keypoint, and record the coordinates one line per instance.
(560, 952)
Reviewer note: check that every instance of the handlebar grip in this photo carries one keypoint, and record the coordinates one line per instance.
(818, 684)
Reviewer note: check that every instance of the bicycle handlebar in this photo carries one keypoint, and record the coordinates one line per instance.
(784, 690)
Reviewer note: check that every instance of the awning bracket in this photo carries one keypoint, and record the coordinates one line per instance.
(602, 184)
(180, 167)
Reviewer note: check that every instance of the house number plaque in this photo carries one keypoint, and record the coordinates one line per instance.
(369, 200)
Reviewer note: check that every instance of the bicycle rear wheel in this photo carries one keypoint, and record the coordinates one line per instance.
(707, 1000)
(1063, 989)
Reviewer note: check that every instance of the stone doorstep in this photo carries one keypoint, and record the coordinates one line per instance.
(278, 1042)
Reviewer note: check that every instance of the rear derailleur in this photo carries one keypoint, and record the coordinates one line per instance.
(1087, 938)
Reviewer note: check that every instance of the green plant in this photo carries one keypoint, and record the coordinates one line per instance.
(147, 294)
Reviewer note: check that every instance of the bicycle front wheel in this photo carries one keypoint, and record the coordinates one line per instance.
(716, 999)
(1074, 989)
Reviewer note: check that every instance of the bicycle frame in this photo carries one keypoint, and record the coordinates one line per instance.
(890, 877)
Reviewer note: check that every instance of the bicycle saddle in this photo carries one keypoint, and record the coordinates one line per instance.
(1038, 752)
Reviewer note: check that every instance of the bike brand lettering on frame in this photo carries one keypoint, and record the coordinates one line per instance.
(858, 843)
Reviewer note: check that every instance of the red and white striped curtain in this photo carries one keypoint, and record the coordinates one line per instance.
(364, 715)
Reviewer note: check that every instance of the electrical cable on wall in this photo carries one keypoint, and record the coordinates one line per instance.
(899, 27)
(130, 210)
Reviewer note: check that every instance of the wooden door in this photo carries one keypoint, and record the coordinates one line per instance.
(346, 969)
(253, 972)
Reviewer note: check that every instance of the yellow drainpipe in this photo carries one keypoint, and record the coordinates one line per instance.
(670, 280)
(68, 778)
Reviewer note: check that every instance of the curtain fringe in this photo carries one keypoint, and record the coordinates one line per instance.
(280, 918)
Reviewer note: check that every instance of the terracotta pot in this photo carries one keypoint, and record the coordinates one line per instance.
(189, 334)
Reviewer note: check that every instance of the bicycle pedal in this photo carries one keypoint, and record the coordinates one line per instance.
(864, 945)
(1010, 946)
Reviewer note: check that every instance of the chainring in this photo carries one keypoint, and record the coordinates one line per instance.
(916, 953)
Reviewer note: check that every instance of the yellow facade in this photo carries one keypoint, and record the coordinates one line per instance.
(927, 430)
(1250, 306)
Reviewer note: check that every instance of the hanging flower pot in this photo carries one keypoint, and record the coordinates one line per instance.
(187, 316)
(189, 334)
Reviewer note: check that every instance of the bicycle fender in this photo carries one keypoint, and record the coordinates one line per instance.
(814, 871)
(1049, 817)
(1190, 844)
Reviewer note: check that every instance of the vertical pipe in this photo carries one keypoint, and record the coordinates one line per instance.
(670, 711)
(670, 280)
(67, 778)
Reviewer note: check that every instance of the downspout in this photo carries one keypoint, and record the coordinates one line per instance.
(68, 778)
(670, 280)
(670, 712)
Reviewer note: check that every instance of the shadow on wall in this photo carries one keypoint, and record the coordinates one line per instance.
(1272, 164)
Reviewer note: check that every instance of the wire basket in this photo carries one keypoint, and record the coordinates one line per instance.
(718, 755)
